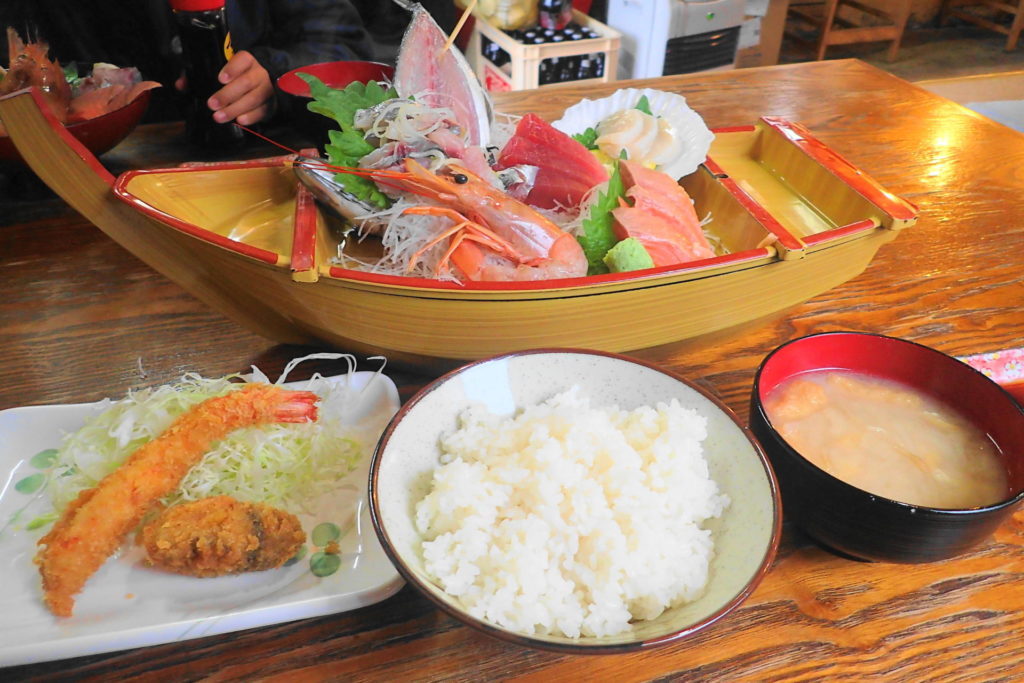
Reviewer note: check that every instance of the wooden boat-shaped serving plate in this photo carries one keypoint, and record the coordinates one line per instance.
(794, 219)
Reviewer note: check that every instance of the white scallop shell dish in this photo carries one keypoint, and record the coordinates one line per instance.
(692, 135)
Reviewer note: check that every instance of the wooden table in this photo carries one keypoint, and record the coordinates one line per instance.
(82, 319)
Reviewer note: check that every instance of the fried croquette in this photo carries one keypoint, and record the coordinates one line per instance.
(221, 535)
(96, 523)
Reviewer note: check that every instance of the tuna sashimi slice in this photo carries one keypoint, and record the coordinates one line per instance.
(661, 217)
(566, 169)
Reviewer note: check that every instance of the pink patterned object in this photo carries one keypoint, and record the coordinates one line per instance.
(1004, 367)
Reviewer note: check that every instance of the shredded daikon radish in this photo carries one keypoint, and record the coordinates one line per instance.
(286, 465)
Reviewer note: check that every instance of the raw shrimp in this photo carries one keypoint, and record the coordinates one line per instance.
(30, 66)
(492, 235)
(221, 535)
(97, 522)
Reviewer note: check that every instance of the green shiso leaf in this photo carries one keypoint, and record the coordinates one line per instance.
(347, 146)
(598, 236)
(644, 105)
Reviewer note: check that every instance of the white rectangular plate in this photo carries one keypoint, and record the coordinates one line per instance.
(127, 604)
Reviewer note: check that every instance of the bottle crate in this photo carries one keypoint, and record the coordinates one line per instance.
(513, 61)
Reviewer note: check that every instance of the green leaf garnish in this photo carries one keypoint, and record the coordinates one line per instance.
(324, 564)
(348, 145)
(41, 521)
(31, 483)
(598, 236)
(44, 459)
(644, 106)
(325, 533)
(587, 138)
(70, 72)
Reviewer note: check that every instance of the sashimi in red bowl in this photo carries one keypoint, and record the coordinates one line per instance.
(99, 109)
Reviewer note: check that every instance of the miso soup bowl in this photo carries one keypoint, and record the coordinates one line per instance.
(869, 526)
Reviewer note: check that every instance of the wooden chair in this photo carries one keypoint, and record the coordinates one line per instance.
(834, 28)
(951, 8)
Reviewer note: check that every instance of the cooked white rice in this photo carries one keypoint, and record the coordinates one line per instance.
(572, 520)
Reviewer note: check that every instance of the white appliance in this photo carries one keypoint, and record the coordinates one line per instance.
(665, 37)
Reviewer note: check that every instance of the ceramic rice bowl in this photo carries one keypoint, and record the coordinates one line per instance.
(745, 536)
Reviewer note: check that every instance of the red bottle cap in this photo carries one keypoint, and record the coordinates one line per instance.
(196, 5)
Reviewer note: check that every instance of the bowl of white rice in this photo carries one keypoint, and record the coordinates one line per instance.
(575, 501)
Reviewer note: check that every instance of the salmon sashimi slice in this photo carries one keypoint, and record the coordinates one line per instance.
(660, 216)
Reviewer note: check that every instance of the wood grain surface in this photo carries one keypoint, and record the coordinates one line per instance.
(81, 319)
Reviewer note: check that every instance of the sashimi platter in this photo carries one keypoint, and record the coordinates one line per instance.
(435, 230)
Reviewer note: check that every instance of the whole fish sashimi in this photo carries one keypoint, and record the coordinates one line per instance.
(441, 77)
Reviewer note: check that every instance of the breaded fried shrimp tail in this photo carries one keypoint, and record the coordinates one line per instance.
(96, 523)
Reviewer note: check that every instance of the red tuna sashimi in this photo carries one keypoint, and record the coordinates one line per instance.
(566, 171)
(661, 217)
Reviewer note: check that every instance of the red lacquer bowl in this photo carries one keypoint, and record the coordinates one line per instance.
(869, 526)
(99, 134)
(334, 74)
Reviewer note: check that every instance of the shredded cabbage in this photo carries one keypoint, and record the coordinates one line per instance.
(285, 465)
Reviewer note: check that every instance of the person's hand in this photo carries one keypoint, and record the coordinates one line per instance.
(247, 95)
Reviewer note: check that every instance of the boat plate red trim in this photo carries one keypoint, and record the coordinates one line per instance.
(867, 187)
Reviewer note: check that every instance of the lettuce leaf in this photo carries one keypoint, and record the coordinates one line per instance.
(347, 146)
(587, 138)
(598, 236)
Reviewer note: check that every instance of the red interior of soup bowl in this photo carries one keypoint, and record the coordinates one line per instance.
(961, 387)
(99, 134)
(334, 74)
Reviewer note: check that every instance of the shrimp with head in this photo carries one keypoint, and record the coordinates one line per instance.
(489, 236)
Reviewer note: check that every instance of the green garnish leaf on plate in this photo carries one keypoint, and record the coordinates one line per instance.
(325, 533)
(44, 459)
(31, 483)
(324, 564)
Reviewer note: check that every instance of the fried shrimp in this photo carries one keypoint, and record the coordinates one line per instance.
(221, 535)
(97, 522)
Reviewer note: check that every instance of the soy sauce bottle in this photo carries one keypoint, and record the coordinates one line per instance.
(205, 48)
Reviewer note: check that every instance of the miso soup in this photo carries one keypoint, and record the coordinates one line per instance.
(888, 439)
